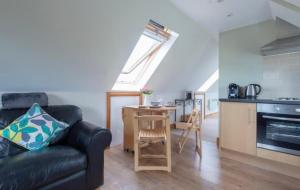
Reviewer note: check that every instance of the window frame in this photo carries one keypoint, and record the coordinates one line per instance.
(149, 60)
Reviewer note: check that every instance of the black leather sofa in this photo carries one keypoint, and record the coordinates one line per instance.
(74, 162)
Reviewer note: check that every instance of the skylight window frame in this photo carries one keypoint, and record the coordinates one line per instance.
(166, 38)
(148, 53)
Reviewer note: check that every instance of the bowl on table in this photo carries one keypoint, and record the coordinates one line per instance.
(155, 104)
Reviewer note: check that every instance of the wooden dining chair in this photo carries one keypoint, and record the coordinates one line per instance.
(193, 124)
(149, 129)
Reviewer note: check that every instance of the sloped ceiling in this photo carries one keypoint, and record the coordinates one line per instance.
(222, 15)
(82, 45)
(294, 2)
(286, 10)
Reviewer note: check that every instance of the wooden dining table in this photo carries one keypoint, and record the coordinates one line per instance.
(128, 114)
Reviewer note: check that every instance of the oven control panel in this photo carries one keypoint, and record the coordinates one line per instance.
(279, 108)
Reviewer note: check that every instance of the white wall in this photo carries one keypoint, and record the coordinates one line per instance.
(212, 95)
(116, 117)
(242, 63)
(75, 49)
(240, 59)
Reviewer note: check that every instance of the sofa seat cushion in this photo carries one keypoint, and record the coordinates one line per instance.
(8, 148)
(33, 169)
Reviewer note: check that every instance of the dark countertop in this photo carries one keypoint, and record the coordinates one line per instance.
(267, 101)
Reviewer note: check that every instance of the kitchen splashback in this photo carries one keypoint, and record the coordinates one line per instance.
(281, 76)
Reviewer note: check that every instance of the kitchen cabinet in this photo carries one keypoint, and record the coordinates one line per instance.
(238, 127)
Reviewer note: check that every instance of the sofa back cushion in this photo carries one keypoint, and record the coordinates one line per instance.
(8, 148)
(16, 104)
(23, 100)
(35, 129)
(66, 113)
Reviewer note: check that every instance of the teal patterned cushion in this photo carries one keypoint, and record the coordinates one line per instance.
(33, 130)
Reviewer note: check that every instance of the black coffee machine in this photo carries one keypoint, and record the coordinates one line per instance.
(233, 90)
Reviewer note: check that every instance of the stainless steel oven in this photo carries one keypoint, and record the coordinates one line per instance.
(278, 127)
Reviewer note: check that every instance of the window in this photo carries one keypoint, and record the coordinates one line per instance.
(210, 81)
(151, 48)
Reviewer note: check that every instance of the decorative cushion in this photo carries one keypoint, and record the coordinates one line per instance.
(33, 130)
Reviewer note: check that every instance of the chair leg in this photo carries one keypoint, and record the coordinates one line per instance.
(169, 161)
(184, 139)
(168, 151)
(198, 143)
(136, 145)
(180, 140)
(196, 138)
(136, 156)
(181, 135)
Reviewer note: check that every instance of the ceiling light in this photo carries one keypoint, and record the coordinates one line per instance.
(216, 1)
(229, 15)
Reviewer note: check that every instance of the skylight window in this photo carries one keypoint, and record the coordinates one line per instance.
(151, 48)
(210, 81)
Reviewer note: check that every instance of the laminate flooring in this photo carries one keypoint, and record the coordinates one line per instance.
(190, 172)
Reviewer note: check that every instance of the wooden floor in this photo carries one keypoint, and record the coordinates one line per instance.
(190, 172)
(210, 128)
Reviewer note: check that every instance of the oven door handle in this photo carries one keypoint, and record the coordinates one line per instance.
(281, 118)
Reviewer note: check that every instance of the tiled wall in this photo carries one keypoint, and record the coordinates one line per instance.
(281, 76)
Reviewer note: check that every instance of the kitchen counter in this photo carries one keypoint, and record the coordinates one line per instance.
(267, 101)
(240, 130)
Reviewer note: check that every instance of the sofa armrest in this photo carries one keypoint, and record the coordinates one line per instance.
(91, 140)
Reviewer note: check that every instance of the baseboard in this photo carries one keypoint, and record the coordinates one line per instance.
(274, 166)
(211, 114)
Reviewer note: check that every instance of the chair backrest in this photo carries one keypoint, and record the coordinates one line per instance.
(152, 117)
(195, 118)
(151, 121)
(152, 127)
